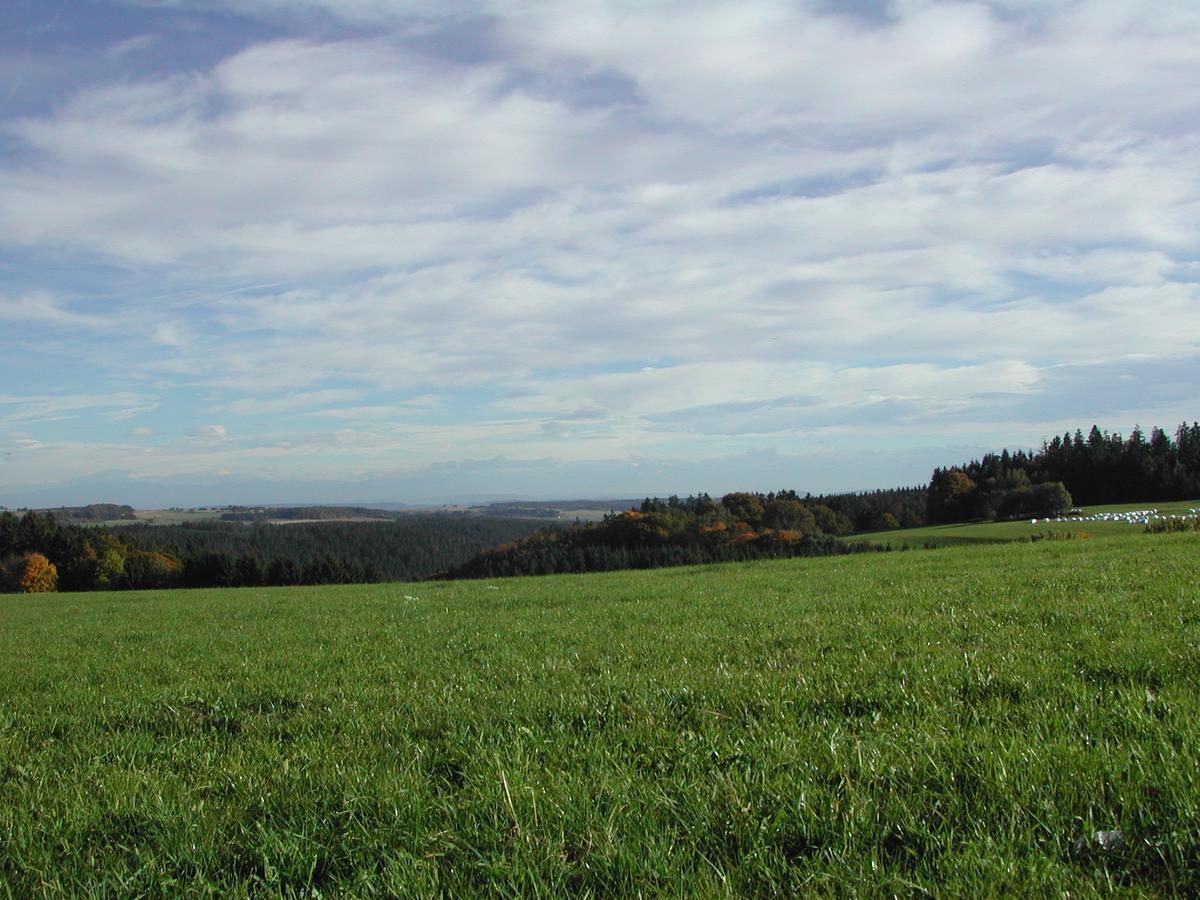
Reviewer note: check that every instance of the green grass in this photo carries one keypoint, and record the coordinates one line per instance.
(974, 533)
(958, 722)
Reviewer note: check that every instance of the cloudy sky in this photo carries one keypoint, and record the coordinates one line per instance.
(352, 250)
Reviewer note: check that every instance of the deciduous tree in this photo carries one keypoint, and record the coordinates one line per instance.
(40, 575)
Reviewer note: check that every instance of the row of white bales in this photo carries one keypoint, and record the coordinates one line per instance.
(1128, 517)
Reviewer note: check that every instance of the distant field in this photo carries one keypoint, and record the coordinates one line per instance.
(156, 517)
(588, 513)
(996, 532)
(560, 512)
(173, 516)
(1008, 720)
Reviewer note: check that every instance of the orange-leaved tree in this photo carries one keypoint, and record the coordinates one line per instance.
(40, 575)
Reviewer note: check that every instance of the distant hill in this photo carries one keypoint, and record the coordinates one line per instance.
(93, 512)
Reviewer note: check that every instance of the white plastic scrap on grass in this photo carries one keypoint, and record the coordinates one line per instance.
(1107, 841)
(1110, 840)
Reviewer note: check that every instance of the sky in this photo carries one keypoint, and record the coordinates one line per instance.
(267, 251)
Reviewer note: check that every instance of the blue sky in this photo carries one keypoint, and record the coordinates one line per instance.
(368, 250)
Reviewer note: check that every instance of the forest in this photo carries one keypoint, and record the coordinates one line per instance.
(41, 552)
(740, 526)
(1100, 468)
(48, 551)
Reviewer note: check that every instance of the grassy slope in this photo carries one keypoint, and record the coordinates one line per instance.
(996, 532)
(949, 720)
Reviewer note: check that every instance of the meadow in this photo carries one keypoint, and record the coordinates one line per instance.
(1009, 719)
(974, 533)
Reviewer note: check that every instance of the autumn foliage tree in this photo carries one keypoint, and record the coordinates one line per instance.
(39, 576)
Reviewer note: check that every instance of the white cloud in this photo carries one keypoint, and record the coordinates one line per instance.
(256, 406)
(131, 45)
(169, 334)
(209, 432)
(41, 308)
(373, 413)
(807, 222)
(28, 408)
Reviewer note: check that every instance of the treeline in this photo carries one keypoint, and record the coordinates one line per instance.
(45, 551)
(39, 553)
(1103, 467)
(1108, 468)
(403, 549)
(93, 512)
(878, 510)
(992, 489)
(739, 526)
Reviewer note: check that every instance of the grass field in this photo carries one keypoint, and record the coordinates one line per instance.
(163, 517)
(997, 532)
(960, 722)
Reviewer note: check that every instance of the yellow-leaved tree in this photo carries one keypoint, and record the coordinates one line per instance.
(40, 575)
